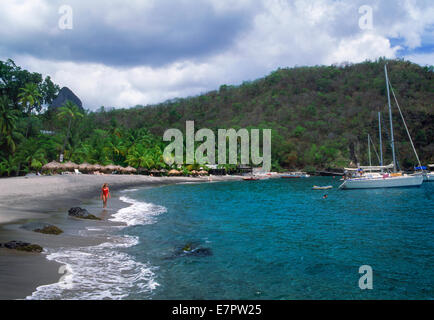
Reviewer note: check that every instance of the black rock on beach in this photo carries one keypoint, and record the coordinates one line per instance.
(44, 228)
(80, 213)
(22, 246)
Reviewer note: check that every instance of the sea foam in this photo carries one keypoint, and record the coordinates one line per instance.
(138, 213)
(98, 272)
(104, 271)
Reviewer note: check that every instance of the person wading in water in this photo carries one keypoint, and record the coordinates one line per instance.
(105, 194)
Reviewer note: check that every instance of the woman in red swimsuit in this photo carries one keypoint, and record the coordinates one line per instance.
(105, 194)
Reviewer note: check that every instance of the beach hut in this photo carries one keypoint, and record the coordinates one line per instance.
(52, 166)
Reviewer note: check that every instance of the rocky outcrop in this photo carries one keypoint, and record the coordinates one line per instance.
(200, 252)
(80, 213)
(64, 95)
(22, 246)
(44, 228)
(194, 250)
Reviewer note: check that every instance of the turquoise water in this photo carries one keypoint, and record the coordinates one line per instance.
(278, 239)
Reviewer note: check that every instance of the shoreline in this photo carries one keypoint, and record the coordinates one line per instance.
(25, 198)
(47, 199)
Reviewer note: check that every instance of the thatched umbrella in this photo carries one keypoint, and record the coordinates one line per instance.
(163, 172)
(96, 167)
(69, 166)
(85, 167)
(123, 170)
(91, 167)
(52, 166)
(131, 169)
(174, 172)
(203, 173)
(118, 169)
(194, 172)
(110, 168)
(155, 172)
(142, 171)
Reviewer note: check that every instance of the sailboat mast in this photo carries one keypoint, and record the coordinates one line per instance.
(369, 151)
(392, 140)
(381, 141)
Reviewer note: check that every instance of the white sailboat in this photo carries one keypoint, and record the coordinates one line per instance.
(381, 179)
(429, 176)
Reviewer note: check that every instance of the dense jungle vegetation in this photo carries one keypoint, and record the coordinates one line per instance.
(320, 117)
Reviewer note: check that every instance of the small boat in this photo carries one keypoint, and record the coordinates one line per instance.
(295, 175)
(322, 187)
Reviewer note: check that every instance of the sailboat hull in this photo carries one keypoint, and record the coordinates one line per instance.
(429, 177)
(391, 182)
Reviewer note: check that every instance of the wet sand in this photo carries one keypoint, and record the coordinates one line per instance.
(47, 199)
(33, 197)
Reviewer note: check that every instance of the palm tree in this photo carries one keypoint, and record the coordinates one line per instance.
(69, 112)
(8, 165)
(8, 119)
(143, 157)
(30, 98)
(32, 154)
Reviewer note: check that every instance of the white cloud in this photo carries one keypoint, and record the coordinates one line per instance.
(281, 34)
(411, 23)
(23, 15)
(422, 58)
(362, 47)
(98, 85)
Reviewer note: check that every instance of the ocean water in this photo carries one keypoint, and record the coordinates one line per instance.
(269, 239)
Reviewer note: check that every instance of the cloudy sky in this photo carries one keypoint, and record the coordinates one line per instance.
(121, 53)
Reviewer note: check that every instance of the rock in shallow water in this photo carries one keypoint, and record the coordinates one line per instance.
(200, 252)
(49, 230)
(82, 214)
(193, 250)
(22, 246)
(44, 228)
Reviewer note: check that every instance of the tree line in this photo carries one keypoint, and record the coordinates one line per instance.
(320, 117)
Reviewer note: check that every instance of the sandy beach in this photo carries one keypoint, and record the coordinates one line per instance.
(47, 199)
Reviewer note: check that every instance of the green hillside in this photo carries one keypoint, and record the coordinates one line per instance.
(320, 117)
